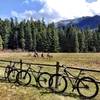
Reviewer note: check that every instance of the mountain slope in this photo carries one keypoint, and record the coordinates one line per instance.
(84, 22)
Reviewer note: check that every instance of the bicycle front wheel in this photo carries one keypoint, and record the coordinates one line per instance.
(87, 87)
(57, 83)
(43, 80)
(12, 75)
(23, 78)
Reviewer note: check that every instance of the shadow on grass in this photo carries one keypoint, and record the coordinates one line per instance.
(65, 94)
(45, 91)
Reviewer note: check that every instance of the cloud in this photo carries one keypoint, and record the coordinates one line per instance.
(69, 9)
(26, 2)
(91, 1)
(95, 7)
(54, 10)
(27, 14)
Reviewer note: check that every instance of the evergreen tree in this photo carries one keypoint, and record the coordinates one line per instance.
(72, 44)
(1, 43)
(28, 37)
(81, 39)
(52, 37)
(6, 33)
(62, 40)
(34, 33)
(76, 43)
(21, 34)
(11, 35)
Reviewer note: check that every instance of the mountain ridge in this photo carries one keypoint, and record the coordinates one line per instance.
(82, 22)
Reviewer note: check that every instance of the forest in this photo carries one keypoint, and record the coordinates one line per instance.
(30, 35)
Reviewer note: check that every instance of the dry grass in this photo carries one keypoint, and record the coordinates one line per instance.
(12, 92)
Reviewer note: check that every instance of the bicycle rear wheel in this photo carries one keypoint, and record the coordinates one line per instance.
(23, 78)
(87, 87)
(43, 80)
(59, 86)
(12, 75)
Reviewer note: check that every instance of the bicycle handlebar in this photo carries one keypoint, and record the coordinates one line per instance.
(64, 66)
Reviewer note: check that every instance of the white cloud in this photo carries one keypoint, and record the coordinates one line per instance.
(14, 13)
(27, 14)
(54, 10)
(69, 9)
(95, 7)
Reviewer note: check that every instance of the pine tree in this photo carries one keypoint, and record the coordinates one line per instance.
(62, 40)
(41, 36)
(34, 33)
(28, 37)
(1, 43)
(6, 33)
(81, 39)
(76, 43)
(11, 35)
(52, 37)
(21, 34)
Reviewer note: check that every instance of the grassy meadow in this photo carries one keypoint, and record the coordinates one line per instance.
(81, 60)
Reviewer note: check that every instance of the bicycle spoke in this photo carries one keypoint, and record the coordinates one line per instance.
(58, 86)
(44, 79)
(87, 87)
(12, 76)
(24, 78)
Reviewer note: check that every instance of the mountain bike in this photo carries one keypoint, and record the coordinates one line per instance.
(86, 86)
(10, 73)
(24, 77)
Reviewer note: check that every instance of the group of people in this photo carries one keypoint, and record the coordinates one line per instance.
(36, 54)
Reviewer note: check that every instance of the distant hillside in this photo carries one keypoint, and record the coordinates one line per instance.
(83, 22)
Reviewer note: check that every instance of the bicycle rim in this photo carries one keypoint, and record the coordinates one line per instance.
(12, 76)
(87, 87)
(23, 78)
(61, 84)
(44, 79)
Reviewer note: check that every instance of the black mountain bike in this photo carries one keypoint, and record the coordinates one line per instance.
(24, 77)
(86, 86)
(10, 73)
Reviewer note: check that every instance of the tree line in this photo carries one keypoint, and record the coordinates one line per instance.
(30, 35)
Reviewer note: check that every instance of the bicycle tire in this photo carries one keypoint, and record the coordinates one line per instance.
(90, 80)
(51, 82)
(43, 79)
(23, 78)
(12, 75)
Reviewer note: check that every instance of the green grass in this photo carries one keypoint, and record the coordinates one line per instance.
(81, 60)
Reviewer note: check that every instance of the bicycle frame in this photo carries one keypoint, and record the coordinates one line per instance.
(68, 74)
(32, 71)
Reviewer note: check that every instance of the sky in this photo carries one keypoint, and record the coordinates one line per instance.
(50, 10)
